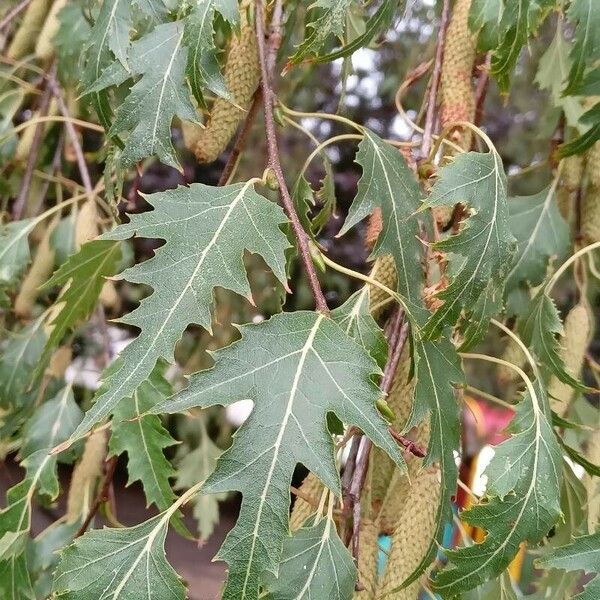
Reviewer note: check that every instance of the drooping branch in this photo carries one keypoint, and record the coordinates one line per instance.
(267, 64)
(435, 81)
(36, 144)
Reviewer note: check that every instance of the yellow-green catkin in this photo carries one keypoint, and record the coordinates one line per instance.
(413, 533)
(242, 76)
(368, 557)
(590, 203)
(457, 98)
(577, 329)
(39, 272)
(86, 476)
(312, 488)
(26, 35)
(384, 271)
(44, 46)
(570, 182)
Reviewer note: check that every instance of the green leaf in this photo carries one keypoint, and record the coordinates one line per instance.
(314, 564)
(52, 422)
(542, 234)
(481, 252)
(160, 94)
(524, 480)
(379, 21)
(588, 139)
(387, 183)
(576, 457)
(202, 66)
(73, 33)
(437, 367)
(144, 439)
(20, 355)
(520, 19)
(354, 317)
(15, 580)
(582, 555)
(538, 331)
(196, 466)
(330, 19)
(127, 562)
(109, 37)
(296, 367)
(484, 19)
(553, 70)
(85, 272)
(584, 15)
(207, 229)
(14, 251)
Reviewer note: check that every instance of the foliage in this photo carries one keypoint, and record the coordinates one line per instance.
(168, 300)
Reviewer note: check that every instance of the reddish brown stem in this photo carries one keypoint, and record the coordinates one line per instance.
(267, 64)
(242, 138)
(482, 87)
(103, 495)
(13, 13)
(19, 205)
(435, 81)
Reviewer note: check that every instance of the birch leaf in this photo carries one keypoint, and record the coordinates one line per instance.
(207, 229)
(297, 368)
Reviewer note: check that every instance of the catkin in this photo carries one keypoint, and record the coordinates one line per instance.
(590, 203)
(368, 557)
(86, 224)
(577, 328)
(31, 25)
(412, 535)
(24, 146)
(39, 272)
(514, 355)
(384, 271)
(85, 477)
(301, 510)
(44, 47)
(59, 362)
(457, 99)
(569, 184)
(242, 75)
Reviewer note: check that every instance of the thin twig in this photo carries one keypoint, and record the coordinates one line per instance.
(241, 139)
(103, 495)
(482, 87)
(435, 81)
(13, 13)
(267, 63)
(81, 164)
(19, 205)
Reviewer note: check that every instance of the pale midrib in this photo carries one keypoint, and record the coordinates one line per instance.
(311, 575)
(162, 89)
(276, 447)
(151, 344)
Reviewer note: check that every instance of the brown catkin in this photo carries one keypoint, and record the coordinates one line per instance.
(39, 272)
(242, 76)
(457, 98)
(31, 25)
(86, 225)
(514, 355)
(24, 146)
(412, 535)
(577, 328)
(591, 482)
(367, 559)
(60, 361)
(301, 510)
(86, 475)
(44, 46)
